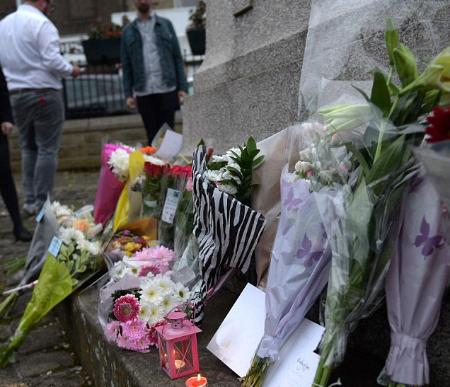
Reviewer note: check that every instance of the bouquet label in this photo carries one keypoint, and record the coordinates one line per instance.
(40, 216)
(55, 246)
(170, 205)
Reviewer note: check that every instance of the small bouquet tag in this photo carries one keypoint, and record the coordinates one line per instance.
(170, 205)
(40, 216)
(55, 246)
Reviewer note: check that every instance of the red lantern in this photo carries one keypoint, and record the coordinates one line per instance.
(177, 341)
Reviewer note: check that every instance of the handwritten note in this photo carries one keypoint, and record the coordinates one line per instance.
(237, 339)
(297, 363)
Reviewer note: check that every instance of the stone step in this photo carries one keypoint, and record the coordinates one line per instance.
(109, 365)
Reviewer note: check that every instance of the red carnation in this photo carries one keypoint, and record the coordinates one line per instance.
(439, 125)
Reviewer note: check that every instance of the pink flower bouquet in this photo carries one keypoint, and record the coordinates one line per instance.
(109, 186)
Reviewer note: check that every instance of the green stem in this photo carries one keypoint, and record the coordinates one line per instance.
(382, 130)
(7, 304)
(325, 376)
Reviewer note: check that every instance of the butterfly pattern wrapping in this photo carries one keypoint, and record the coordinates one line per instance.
(227, 231)
(416, 282)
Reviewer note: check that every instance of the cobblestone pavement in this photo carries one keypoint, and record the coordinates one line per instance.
(45, 358)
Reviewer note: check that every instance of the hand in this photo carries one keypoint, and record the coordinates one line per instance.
(181, 96)
(75, 71)
(131, 103)
(7, 127)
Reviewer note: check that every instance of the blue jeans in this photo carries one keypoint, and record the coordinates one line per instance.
(39, 118)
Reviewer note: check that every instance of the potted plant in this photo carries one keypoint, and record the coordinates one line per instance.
(103, 45)
(196, 31)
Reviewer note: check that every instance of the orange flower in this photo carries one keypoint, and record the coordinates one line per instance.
(148, 150)
(81, 225)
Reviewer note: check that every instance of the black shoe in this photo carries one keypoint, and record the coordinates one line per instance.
(23, 235)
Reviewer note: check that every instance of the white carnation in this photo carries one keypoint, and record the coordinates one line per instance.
(119, 162)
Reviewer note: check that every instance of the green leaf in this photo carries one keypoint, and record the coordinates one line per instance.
(405, 65)
(381, 97)
(390, 161)
(251, 144)
(392, 39)
(362, 92)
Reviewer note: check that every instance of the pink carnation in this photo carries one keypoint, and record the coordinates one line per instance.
(112, 329)
(135, 329)
(135, 336)
(126, 308)
(157, 257)
(160, 253)
(149, 269)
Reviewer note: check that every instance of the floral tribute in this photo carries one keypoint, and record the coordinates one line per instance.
(137, 312)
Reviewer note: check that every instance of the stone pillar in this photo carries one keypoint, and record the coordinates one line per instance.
(249, 81)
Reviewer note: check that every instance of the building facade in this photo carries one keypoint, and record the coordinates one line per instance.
(76, 16)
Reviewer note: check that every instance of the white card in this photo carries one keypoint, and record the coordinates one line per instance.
(297, 363)
(171, 145)
(173, 197)
(55, 246)
(238, 337)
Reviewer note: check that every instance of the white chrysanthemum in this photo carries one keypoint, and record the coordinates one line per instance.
(92, 248)
(181, 292)
(165, 285)
(155, 314)
(119, 162)
(227, 175)
(151, 293)
(153, 160)
(214, 175)
(69, 235)
(168, 303)
(220, 159)
(145, 311)
(227, 188)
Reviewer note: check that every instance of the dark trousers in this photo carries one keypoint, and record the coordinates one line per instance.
(157, 110)
(7, 186)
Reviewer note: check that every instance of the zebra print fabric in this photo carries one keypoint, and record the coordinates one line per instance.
(227, 231)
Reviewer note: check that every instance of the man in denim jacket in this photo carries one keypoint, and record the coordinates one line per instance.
(153, 69)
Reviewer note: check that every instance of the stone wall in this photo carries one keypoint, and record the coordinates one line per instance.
(249, 81)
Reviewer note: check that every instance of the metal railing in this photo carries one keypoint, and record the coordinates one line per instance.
(97, 92)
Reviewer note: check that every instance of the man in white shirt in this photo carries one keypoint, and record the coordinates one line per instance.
(33, 66)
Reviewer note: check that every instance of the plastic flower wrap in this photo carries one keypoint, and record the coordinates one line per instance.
(176, 211)
(301, 259)
(361, 219)
(77, 260)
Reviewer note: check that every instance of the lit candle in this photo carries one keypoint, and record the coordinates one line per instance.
(197, 381)
(179, 364)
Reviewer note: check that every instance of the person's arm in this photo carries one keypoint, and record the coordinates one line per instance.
(5, 105)
(179, 63)
(48, 41)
